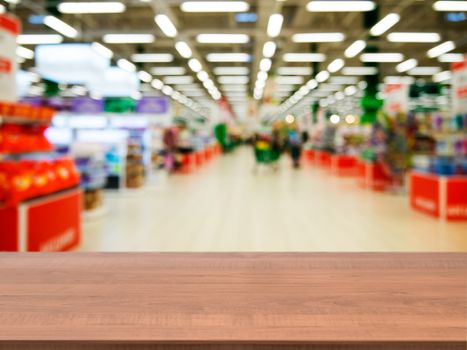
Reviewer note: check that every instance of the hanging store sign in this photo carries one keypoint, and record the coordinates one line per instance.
(9, 30)
(396, 98)
(153, 105)
(459, 86)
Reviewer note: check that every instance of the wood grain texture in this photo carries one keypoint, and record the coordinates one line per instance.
(335, 301)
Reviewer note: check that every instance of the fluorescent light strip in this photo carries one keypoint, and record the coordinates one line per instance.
(126, 65)
(2, 9)
(294, 71)
(442, 76)
(102, 50)
(168, 70)
(355, 48)
(340, 6)
(359, 71)
(269, 49)
(401, 37)
(183, 49)
(61, 27)
(91, 7)
(234, 88)
(233, 80)
(265, 64)
(177, 79)
(275, 25)
(304, 57)
(231, 71)
(166, 25)
(214, 6)
(24, 53)
(398, 80)
(228, 57)
(322, 76)
(202, 75)
(144, 76)
(289, 80)
(424, 71)
(195, 65)
(385, 24)
(441, 49)
(381, 57)
(451, 57)
(406, 65)
(336, 65)
(318, 37)
(222, 38)
(450, 6)
(343, 80)
(152, 57)
(128, 38)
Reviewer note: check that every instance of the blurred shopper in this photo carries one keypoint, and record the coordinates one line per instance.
(295, 146)
(170, 148)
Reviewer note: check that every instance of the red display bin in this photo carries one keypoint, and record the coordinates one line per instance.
(199, 158)
(372, 176)
(323, 159)
(439, 196)
(47, 224)
(344, 165)
(188, 163)
(309, 155)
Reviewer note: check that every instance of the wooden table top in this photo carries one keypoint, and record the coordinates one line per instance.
(296, 298)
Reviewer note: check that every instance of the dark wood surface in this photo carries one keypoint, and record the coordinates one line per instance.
(334, 301)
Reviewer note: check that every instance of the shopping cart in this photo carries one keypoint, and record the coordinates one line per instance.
(266, 155)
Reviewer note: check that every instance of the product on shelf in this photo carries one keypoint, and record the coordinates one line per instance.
(135, 173)
(28, 178)
(22, 138)
(93, 199)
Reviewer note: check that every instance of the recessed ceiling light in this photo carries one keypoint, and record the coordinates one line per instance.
(152, 57)
(126, 65)
(414, 37)
(214, 6)
(177, 79)
(398, 80)
(265, 64)
(318, 37)
(24, 53)
(144, 76)
(340, 6)
(343, 80)
(38, 39)
(222, 38)
(228, 57)
(102, 50)
(91, 7)
(294, 71)
(233, 80)
(304, 57)
(128, 38)
(289, 80)
(355, 48)
(195, 65)
(336, 65)
(322, 76)
(60, 26)
(269, 49)
(442, 76)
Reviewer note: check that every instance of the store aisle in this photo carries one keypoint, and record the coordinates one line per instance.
(225, 207)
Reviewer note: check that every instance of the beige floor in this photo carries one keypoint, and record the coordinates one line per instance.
(225, 207)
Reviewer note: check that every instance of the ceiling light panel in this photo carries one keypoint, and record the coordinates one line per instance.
(294, 71)
(222, 38)
(61, 27)
(381, 57)
(412, 37)
(406, 65)
(177, 79)
(343, 80)
(340, 6)
(166, 25)
(398, 80)
(424, 71)
(228, 57)
(385, 24)
(289, 80)
(359, 71)
(38, 39)
(231, 71)
(183, 49)
(318, 37)
(450, 6)
(234, 87)
(233, 80)
(451, 57)
(441, 49)
(355, 48)
(152, 57)
(275, 25)
(269, 49)
(128, 38)
(168, 70)
(214, 6)
(304, 57)
(91, 7)
(336, 65)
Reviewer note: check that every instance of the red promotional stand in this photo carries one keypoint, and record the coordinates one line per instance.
(372, 176)
(344, 165)
(309, 155)
(323, 159)
(439, 196)
(40, 203)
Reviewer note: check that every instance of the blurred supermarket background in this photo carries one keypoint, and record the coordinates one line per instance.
(258, 125)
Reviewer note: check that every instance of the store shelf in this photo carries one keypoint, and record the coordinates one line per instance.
(234, 301)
